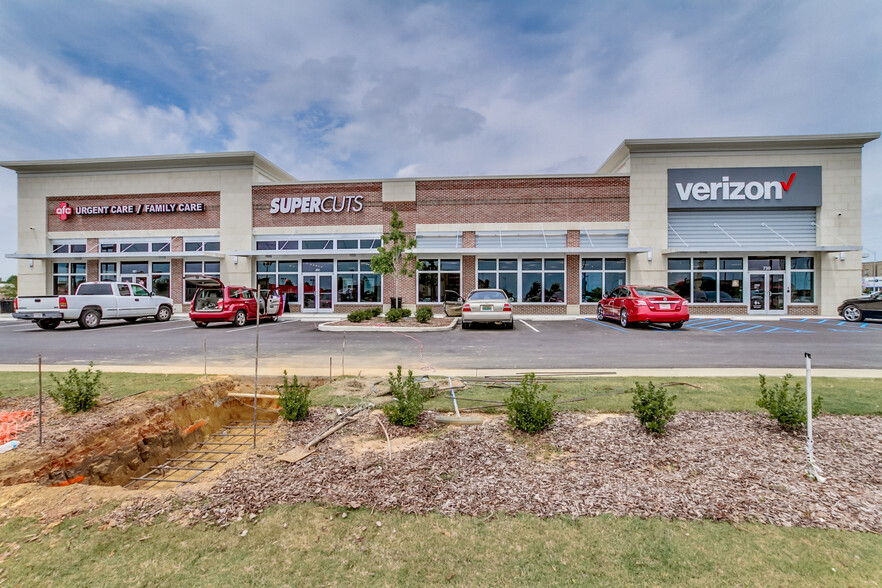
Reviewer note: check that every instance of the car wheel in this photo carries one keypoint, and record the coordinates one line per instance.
(201, 324)
(274, 318)
(466, 325)
(163, 314)
(677, 325)
(131, 320)
(623, 318)
(510, 326)
(240, 319)
(48, 324)
(600, 316)
(89, 319)
(852, 314)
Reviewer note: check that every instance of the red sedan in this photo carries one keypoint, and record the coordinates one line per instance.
(644, 304)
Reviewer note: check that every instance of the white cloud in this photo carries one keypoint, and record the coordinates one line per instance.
(340, 89)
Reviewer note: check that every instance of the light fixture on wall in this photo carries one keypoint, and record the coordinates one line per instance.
(235, 260)
(649, 255)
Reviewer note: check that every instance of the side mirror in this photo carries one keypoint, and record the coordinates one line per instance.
(511, 299)
(151, 293)
(605, 295)
(460, 300)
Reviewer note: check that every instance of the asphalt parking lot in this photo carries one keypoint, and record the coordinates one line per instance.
(580, 343)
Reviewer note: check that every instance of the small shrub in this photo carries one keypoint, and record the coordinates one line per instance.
(653, 407)
(396, 314)
(293, 398)
(79, 391)
(409, 398)
(788, 409)
(357, 316)
(527, 411)
(424, 314)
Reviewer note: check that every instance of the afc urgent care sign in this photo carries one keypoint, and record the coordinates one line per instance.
(63, 210)
(745, 187)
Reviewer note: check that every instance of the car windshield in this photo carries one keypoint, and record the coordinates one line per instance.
(653, 291)
(488, 295)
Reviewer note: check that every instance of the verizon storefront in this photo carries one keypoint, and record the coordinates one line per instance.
(767, 225)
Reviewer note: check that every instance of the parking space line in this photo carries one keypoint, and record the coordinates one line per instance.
(604, 324)
(528, 324)
(190, 326)
(240, 329)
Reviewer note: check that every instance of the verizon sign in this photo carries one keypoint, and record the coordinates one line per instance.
(744, 187)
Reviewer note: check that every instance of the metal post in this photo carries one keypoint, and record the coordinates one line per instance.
(343, 368)
(205, 357)
(813, 470)
(256, 354)
(40, 405)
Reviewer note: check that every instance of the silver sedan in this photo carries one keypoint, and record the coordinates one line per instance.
(487, 305)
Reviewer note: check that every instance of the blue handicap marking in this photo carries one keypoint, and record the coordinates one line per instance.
(718, 325)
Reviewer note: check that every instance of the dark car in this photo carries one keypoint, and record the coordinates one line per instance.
(857, 309)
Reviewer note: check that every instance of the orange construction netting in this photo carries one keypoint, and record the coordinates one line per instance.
(13, 423)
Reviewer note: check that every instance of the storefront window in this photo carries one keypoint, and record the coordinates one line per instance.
(707, 279)
(438, 279)
(525, 280)
(108, 272)
(160, 278)
(802, 279)
(66, 277)
(197, 245)
(356, 282)
(198, 268)
(134, 271)
(601, 275)
(278, 274)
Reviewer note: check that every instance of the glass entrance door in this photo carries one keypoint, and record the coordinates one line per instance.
(766, 293)
(317, 293)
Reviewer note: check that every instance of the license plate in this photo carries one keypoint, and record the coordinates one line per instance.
(665, 306)
(38, 315)
(487, 307)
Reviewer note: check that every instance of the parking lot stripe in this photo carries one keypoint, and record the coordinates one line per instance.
(190, 326)
(604, 324)
(528, 324)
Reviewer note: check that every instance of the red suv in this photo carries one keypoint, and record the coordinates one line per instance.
(216, 303)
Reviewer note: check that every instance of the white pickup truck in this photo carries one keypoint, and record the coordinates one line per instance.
(94, 302)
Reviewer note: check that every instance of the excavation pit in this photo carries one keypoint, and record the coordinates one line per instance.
(117, 443)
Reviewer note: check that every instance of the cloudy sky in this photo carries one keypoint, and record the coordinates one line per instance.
(375, 89)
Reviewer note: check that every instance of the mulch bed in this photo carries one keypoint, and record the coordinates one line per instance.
(711, 465)
(405, 323)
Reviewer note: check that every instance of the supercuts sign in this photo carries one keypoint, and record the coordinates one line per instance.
(745, 187)
(309, 204)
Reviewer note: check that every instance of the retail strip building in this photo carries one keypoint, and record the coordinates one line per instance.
(753, 225)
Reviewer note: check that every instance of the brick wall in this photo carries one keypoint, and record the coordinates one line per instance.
(521, 200)
(505, 200)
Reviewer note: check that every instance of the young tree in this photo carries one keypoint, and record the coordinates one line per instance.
(394, 257)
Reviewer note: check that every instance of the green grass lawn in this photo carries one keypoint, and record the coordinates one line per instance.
(116, 385)
(308, 545)
(610, 394)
